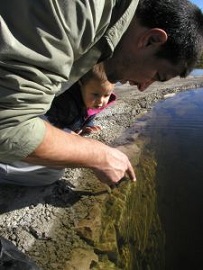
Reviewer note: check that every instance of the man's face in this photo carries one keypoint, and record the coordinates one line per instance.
(135, 59)
(141, 70)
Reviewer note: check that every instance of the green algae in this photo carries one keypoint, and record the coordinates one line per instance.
(131, 234)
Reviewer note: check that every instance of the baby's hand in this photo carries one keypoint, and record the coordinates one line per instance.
(90, 130)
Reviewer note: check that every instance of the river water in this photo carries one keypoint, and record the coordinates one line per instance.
(175, 128)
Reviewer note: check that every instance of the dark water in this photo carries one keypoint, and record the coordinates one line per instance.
(176, 132)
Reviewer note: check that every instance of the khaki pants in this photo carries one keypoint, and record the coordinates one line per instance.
(24, 174)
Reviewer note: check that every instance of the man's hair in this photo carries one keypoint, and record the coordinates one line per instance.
(183, 23)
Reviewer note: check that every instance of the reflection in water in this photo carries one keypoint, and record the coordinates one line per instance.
(176, 131)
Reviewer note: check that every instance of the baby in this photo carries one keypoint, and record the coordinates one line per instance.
(76, 108)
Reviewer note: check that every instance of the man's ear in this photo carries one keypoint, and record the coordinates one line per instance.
(154, 37)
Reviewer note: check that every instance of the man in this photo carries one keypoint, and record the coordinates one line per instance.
(47, 45)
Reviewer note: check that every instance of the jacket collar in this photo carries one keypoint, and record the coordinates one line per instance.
(125, 11)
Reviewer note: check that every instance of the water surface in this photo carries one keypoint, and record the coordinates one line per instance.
(197, 72)
(176, 132)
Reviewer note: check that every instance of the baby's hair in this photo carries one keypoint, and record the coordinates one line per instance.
(95, 73)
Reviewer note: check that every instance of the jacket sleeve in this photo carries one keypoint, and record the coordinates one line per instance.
(39, 42)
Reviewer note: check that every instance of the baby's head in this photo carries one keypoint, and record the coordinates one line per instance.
(95, 88)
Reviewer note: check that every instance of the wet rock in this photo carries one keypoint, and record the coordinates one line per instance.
(81, 259)
(89, 228)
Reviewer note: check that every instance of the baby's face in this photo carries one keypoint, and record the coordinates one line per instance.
(96, 93)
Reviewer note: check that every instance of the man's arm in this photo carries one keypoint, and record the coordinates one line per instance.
(39, 56)
(61, 149)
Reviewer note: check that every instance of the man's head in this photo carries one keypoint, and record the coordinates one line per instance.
(164, 40)
(183, 23)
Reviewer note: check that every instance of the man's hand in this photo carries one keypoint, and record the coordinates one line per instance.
(60, 149)
(114, 166)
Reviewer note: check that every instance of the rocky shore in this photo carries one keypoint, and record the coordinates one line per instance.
(60, 226)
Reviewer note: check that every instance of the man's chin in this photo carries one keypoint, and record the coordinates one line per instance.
(123, 81)
(112, 80)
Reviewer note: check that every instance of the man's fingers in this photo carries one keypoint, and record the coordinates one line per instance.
(116, 166)
(131, 173)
